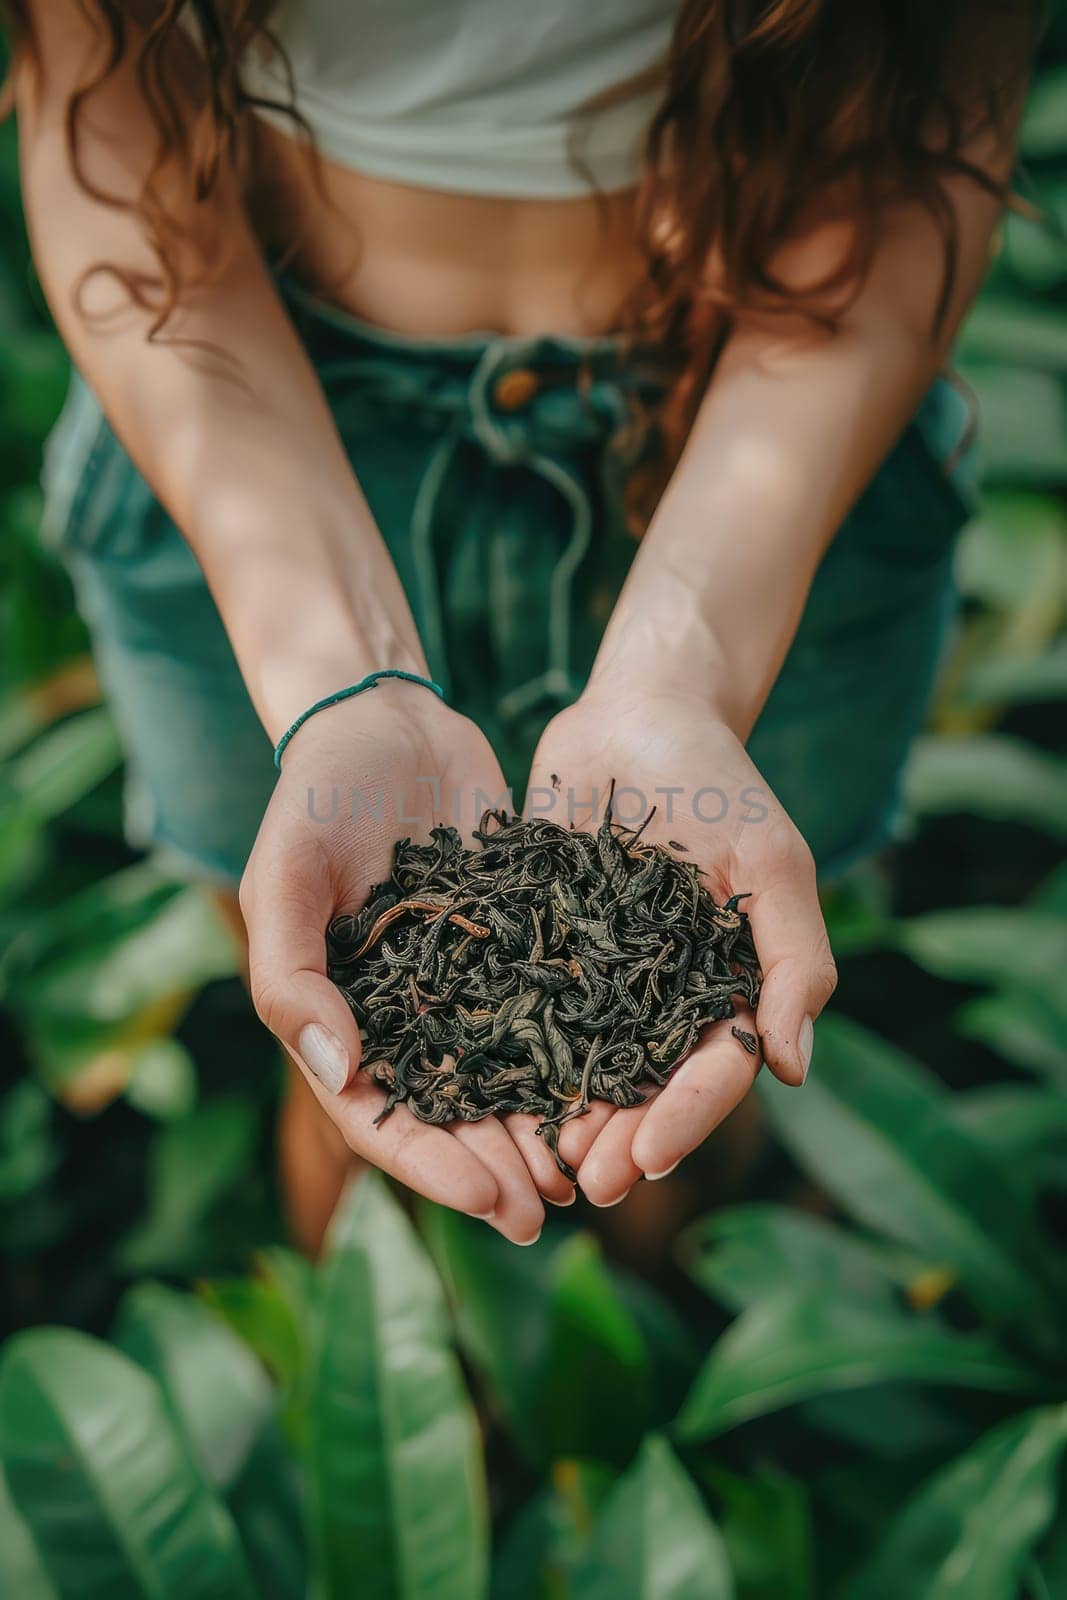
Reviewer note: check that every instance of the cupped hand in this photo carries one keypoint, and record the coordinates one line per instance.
(674, 753)
(388, 763)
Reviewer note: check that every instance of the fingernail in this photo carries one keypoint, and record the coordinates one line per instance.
(654, 1176)
(524, 1242)
(805, 1044)
(323, 1054)
(571, 1198)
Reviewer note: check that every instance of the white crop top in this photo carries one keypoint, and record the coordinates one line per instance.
(474, 96)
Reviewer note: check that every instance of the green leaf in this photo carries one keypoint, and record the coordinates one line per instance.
(551, 1333)
(540, 1547)
(395, 1454)
(63, 764)
(162, 1081)
(654, 1539)
(1024, 434)
(745, 1253)
(1015, 679)
(988, 775)
(276, 1314)
(193, 1163)
(1026, 1028)
(22, 1573)
(28, 1149)
(595, 1386)
(1023, 1125)
(114, 1501)
(968, 1532)
(217, 1391)
(221, 1399)
(182, 946)
(989, 944)
(1015, 551)
(1004, 336)
(1044, 124)
(800, 1344)
(878, 1133)
(767, 1530)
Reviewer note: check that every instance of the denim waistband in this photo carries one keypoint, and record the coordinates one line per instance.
(531, 402)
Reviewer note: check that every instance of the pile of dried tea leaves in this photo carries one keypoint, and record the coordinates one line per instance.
(536, 971)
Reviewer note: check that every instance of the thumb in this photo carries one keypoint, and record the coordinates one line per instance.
(799, 974)
(286, 909)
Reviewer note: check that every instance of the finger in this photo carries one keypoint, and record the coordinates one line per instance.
(799, 974)
(577, 1135)
(426, 1159)
(609, 1171)
(519, 1214)
(544, 1170)
(286, 909)
(698, 1096)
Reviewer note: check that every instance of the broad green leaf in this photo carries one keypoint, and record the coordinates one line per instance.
(1044, 124)
(989, 944)
(1031, 678)
(1028, 1029)
(1047, 1571)
(162, 1080)
(969, 1530)
(1025, 1126)
(64, 763)
(654, 1539)
(396, 1459)
(276, 1314)
(193, 1163)
(1014, 554)
(221, 1399)
(878, 1132)
(1024, 437)
(183, 946)
(103, 1480)
(103, 913)
(745, 1253)
(547, 1327)
(988, 775)
(22, 1573)
(892, 1422)
(538, 1549)
(1035, 251)
(28, 1148)
(766, 1527)
(501, 1299)
(216, 1389)
(800, 1344)
(1003, 337)
(596, 1378)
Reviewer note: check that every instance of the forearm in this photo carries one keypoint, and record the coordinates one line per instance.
(791, 429)
(223, 415)
(780, 449)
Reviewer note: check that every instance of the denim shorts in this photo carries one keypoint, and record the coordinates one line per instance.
(494, 466)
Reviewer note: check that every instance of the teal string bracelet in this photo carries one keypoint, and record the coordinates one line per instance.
(346, 694)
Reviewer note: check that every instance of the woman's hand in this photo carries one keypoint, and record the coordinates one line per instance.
(356, 777)
(673, 752)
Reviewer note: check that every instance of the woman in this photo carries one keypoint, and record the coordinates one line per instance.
(392, 399)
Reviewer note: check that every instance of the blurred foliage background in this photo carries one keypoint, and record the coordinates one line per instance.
(846, 1379)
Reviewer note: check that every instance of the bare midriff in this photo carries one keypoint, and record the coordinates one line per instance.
(429, 262)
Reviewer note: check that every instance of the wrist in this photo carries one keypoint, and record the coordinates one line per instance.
(683, 667)
(299, 669)
(310, 605)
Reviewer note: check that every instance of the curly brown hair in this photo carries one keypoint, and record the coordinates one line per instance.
(771, 110)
